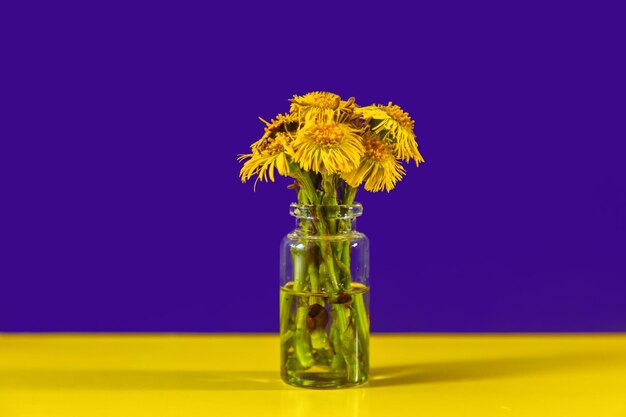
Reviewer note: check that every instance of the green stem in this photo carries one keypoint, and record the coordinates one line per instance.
(358, 305)
(345, 330)
(349, 195)
(362, 321)
(301, 339)
(302, 345)
(319, 339)
(330, 200)
(337, 362)
(306, 187)
(286, 304)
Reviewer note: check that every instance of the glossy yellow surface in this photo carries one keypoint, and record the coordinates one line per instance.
(217, 375)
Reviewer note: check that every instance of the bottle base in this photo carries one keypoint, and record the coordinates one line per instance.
(322, 380)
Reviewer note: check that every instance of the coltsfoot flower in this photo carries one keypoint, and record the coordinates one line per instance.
(319, 105)
(327, 147)
(379, 168)
(272, 153)
(396, 126)
(285, 123)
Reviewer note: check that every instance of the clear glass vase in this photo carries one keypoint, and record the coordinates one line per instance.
(324, 298)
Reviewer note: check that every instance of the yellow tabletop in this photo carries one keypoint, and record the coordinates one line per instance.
(232, 375)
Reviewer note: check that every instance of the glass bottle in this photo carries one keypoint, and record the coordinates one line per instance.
(324, 298)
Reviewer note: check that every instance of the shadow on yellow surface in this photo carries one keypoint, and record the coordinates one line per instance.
(138, 380)
(489, 368)
(397, 375)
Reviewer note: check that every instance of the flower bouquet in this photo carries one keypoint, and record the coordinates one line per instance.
(330, 147)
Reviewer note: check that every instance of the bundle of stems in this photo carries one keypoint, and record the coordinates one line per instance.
(321, 272)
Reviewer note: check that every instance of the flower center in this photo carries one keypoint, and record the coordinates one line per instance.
(326, 134)
(272, 146)
(324, 102)
(397, 114)
(375, 149)
(315, 102)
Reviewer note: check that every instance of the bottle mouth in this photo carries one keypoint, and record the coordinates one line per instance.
(312, 211)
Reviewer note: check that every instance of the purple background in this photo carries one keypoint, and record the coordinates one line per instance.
(123, 211)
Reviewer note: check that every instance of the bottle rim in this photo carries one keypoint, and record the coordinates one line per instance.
(312, 211)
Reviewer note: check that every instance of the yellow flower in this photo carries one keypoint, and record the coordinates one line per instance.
(328, 147)
(267, 154)
(378, 168)
(396, 125)
(317, 105)
(282, 123)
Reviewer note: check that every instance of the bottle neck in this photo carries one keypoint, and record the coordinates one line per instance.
(325, 227)
(319, 220)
